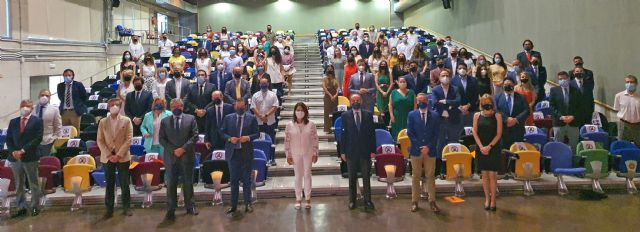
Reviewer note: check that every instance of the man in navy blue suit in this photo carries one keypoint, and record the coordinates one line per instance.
(538, 74)
(366, 47)
(358, 141)
(422, 128)
(447, 102)
(514, 110)
(138, 103)
(438, 51)
(23, 137)
(239, 130)
(73, 96)
(220, 76)
(216, 111)
(468, 87)
(525, 56)
(566, 107)
(585, 84)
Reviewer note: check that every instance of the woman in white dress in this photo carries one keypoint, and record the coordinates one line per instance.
(125, 87)
(160, 83)
(301, 149)
(148, 73)
(203, 62)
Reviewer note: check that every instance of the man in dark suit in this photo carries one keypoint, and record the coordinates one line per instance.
(438, 51)
(199, 98)
(178, 134)
(514, 110)
(177, 88)
(565, 109)
(137, 104)
(579, 62)
(363, 84)
(239, 130)
(366, 47)
(358, 141)
(422, 128)
(207, 44)
(452, 62)
(447, 101)
(539, 74)
(585, 85)
(73, 96)
(237, 87)
(23, 137)
(468, 87)
(525, 56)
(216, 111)
(220, 76)
(415, 80)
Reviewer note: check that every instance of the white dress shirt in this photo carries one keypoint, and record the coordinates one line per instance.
(628, 106)
(136, 49)
(165, 47)
(263, 102)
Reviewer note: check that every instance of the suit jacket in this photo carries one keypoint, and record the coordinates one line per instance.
(434, 53)
(170, 90)
(51, 123)
(120, 142)
(230, 129)
(185, 137)
(524, 61)
(368, 99)
(224, 78)
(207, 44)
(468, 95)
(28, 140)
(198, 101)
(559, 108)
(364, 52)
(147, 127)
(448, 63)
(212, 134)
(540, 78)
(358, 144)
(230, 91)
(78, 95)
(520, 109)
(417, 83)
(138, 108)
(421, 134)
(586, 90)
(453, 101)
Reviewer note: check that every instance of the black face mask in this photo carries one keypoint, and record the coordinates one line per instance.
(383, 67)
(440, 65)
(440, 43)
(579, 64)
(137, 87)
(508, 88)
(524, 80)
(237, 75)
(217, 101)
(331, 72)
(487, 106)
(413, 69)
(127, 78)
(578, 75)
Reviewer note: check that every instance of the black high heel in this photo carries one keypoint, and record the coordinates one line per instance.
(486, 207)
(493, 208)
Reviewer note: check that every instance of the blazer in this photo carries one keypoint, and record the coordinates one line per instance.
(224, 78)
(540, 79)
(120, 142)
(364, 52)
(559, 108)
(51, 123)
(417, 83)
(207, 44)
(522, 57)
(520, 108)
(452, 102)
(358, 144)
(139, 108)
(184, 138)
(28, 140)
(230, 129)
(170, 90)
(468, 95)
(448, 63)
(586, 90)
(423, 135)
(197, 101)
(300, 140)
(212, 133)
(368, 99)
(147, 127)
(435, 52)
(78, 95)
(230, 91)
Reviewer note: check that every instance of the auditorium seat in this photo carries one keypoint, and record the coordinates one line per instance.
(260, 164)
(594, 133)
(561, 163)
(147, 168)
(6, 173)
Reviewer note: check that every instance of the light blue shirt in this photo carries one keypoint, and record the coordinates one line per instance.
(230, 63)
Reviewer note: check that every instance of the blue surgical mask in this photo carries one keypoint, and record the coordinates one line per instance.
(355, 106)
(422, 105)
(200, 80)
(631, 87)
(564, 83)
(158, 107)
(482, 62)
(162, 75)
(232, 52)
(240, 111)
(260, 69)
(264, 87)
(67, 79)
(177, 112)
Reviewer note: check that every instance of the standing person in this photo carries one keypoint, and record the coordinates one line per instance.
(468, 87)
(525, 56)
(150, 128)
(160, 85)
(237, 87)
(484, 81)
(51, 123)
(438, 51)
(514, 109)
(199, 97)
(176, 62)
(301, 148)
(127, 64)
(539, 73)
(216, 111)
(422, 129)
(585, 86)
(497, 72)
(264, 105)
(24, 134)
(220, 76)
(148, 74)
(233, 60)
(164, 48)
(125, 88)
(362, 83)
(579, 62)
(136, 49)
(487, 131)
(73, 96)
(138, 103)
(114, 139)
(366, 47)
(447, 100)
(239, 129)
(565, 110)
(384, 85)
(434, 74)
(359, 144)
(330, 87)
(402, 101)
(178, 88)
(526, 89)
(338, 61)
(289, 69)
(350, 68)
(627, 103)
(204, 62)
(275, 69)
(258, 75)
(270, 35)
(178, 134)
(401, 68)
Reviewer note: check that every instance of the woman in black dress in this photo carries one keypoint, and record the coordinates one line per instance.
(487, 130)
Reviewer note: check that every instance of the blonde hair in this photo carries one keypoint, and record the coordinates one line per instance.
(162, 100)
(487, 98)
(128, 72)
(528, 85)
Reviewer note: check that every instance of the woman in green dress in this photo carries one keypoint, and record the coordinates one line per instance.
(384, 84)
(402, 101)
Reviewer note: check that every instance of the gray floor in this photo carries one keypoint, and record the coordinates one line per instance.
(543, 212)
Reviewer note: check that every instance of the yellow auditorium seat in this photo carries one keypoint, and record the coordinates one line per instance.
(59, 142)
(527, 153)
(456, 153)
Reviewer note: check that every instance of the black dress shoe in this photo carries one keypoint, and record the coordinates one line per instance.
(414, 207)
(352, 205)
(248, 209)
(434, 207)
(35, 212)
(231, 212)
(20, 213)
(193, 211)
(107, 215)
(170, 217)
(369, 205)
(127, 213)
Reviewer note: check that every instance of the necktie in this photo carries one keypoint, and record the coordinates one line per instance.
(201, 90)
(239, 125)
(529, 56)
(424, 118)
(358, 120)
(67, 96)
(23, 124)
(176, 123)
(137, 95)
(509, 103)
(219, 80)
(566, 96)
(218, 114)
(238, 83)
(41, 113)
(361, 79)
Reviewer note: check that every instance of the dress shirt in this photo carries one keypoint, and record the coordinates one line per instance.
(263, 102)
(628, 106)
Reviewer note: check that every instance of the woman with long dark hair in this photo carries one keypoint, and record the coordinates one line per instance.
(497, 72)
(330, 87)
(127, 63)
(275, 69)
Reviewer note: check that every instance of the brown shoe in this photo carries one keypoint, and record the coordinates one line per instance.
(414, 207)
(434, 207)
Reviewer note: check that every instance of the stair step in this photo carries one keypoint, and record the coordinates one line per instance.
(307, 91)
(319, 124)
(305, 98)
(325, 166)
(290, 105)
(322, 136)
(324, 149)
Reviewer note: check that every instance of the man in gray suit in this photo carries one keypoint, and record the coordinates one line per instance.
(178, 134)
(177, 88)
(236, 88)
(362, 83)
(51, 122)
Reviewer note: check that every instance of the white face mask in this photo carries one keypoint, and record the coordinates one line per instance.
(43, 100)
(220, 67)
(299, 114)
(25, 111)
(483, 72)
(444, 80)
(361, 68)
(114, 110)
(462, 72)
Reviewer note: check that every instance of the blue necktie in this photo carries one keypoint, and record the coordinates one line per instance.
(509, 103)
(358, 121)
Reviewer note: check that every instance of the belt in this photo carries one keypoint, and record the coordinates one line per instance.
(632, 123)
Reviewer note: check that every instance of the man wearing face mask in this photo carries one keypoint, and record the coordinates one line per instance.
(366, 47)
(355, 40)
(265, 106)
(447, 103)
(51, 122)
(579, 62)
(199, 98)
(73, 96)
(514, 71)
(359, 32)
(539, 74)
(627, 103)
(434, 74)
(362, 83)
(331, 50)
(415, 80)
(177, 88)
(452, 62)
(24, 134)
(525, 56)
(403, 47)
(233, 60)
(270, 35)
(468, 87)
(239, 130)
(137, 104)
(216, 111)
(237, 87)
(565, 105)
(220, 76)
(412, 39)
(178, 134)
(514, 110)
(585, 85)
(114, 139)
(438, 51)
(164, 48)
(393, 40)
(136, 49)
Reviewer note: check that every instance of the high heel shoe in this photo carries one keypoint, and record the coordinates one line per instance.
(486, 206)
(493, 208)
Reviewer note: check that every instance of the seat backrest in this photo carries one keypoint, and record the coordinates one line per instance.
(215, 165)
(383, 137)
(50, 160)
(144, 168)
(589, 128)
(46, 171)
(458, 158)
(83, 159)
(259, 154)
(621, 144)
(454, 148)
(388, 149)
(405, 144)
(529, 156)
(402, 133)
(342, 100)
(6, 174)
(560, 154)
(522, 146)
(390, 159)
(596, 155)
(580, 146)
(544, 107)
(81, 170)
(264, 146)
(261, 166)
(625, 155)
